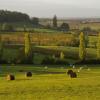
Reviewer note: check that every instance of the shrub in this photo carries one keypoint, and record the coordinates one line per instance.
(61, 62)
(48, 60)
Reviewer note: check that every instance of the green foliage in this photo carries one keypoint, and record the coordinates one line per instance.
(86, 40)
(35, 21)
(7, 27)
(53, 56)
(89, 31)
(62, 55)
(82, 49)
(55, 21)
(98, 48)
(28, 49)
(64, 27)
(9, 16)
(48, 60)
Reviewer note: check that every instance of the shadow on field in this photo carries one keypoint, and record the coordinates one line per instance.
(47, 72)
(37, 72)
(23, 79)
(4, 93)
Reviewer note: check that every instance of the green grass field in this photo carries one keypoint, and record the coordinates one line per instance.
(49, 84)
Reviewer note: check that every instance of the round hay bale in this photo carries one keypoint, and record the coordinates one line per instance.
(29, 74)
(73, 75)
(78, 70)
(69, 72)
(10, 77)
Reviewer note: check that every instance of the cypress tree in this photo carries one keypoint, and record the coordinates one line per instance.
(98, 48)
(82, 49)
(28, 49)
(55, 21)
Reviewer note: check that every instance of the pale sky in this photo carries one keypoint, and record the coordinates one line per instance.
(48, 8)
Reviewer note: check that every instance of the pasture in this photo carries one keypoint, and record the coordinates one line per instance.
(50, 83)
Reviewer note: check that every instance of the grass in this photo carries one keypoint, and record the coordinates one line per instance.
(49, 84)
(71, 53)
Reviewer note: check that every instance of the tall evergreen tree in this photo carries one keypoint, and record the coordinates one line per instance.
(98, 48)
(28, 49)
(55, 21)
(82, 49)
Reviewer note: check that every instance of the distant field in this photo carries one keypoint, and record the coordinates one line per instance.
(47, 44)
(46, 39)
(74, 24)
(49, 84)
(39, 38)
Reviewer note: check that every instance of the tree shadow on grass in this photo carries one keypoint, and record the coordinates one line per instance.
(23, 79)
(37, 72)
(47, 72)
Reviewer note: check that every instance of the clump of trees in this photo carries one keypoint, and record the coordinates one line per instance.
(89, 31)
(64, 27)
(35, 21)
(9, 16)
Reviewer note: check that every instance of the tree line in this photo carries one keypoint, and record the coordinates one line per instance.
(9, 16)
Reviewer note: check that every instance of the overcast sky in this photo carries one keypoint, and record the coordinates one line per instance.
(48, 8)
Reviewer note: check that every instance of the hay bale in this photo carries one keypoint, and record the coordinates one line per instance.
(29, 74)
(10, 77)
(73, 75)
(69, 72)
(78, 70)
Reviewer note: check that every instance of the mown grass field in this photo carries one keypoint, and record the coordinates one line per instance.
(50, 84)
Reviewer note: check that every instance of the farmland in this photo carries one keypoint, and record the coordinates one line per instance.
(45, 57)
(50, 84)
(47, 45)
(46, 39)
